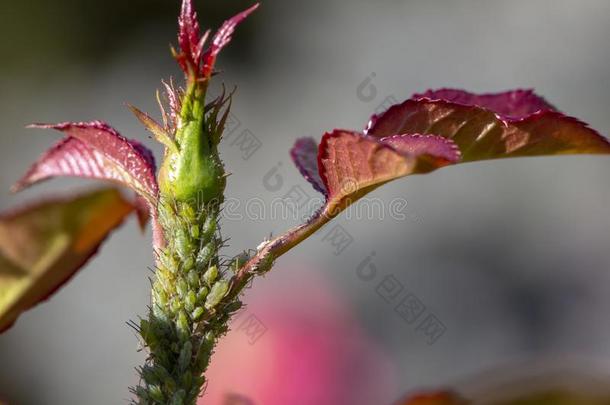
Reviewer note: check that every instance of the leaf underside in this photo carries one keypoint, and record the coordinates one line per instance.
(304, 154)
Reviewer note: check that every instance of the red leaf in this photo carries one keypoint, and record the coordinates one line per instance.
(95, 150)
(430, 152)
(481, 134)
(352, 165)
(419, 136)
(515, 104)
(221, 39)
(188, 34)
(191, 58)
(189, 37)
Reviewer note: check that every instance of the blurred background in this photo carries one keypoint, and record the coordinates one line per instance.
(506, 261)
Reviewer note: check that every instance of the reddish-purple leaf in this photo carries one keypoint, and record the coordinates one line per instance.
(421, 135)
(515, 104)
(428, 151)
(188, 36)
(481, 134)
(192, 58)
(305, 156)
(352, 165)
(42, 246)
(221, 39)
(95, 150)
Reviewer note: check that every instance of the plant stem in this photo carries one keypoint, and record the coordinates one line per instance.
(193, 296)
(188, 313)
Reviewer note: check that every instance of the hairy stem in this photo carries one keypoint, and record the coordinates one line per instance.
(193, 295)
(188, 313)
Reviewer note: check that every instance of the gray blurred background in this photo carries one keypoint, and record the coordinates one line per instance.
(512, 256)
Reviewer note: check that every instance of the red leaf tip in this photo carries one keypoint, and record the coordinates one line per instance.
(192, 59)
(188, 35)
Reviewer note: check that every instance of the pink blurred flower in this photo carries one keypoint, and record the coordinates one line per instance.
(298, 345)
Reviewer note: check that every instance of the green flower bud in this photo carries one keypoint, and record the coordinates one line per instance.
(193, 172)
